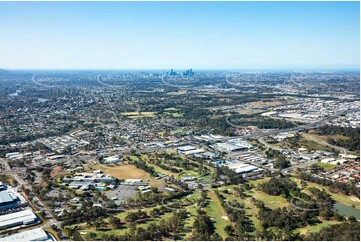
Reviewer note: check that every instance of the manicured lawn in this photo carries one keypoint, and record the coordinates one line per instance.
(160, 170)
(257, 182)
(341, 198)
(315, 228)
(269, 200)
(192, 173)
(252, 211)
(216, 211)
(188, 223)
(87, 229)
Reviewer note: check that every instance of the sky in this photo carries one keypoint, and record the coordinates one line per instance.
(198, 35)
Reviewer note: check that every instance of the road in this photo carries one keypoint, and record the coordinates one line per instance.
(303, 165)
(264, 143)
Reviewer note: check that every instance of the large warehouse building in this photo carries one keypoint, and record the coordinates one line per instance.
(26, 217)
(242, 168)
(37, 234)
(8, 200)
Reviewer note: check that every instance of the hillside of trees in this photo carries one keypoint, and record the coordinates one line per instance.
(339, 232)
(352, 141)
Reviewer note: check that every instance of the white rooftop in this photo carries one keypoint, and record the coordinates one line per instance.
(37, 234)
(17, 217)
(6, 197)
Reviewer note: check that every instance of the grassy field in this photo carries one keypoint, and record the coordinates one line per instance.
(257, 182)
(160, 170)
(251, 209)
(189, 173)
(245, 111)
(188, 223)
(216, 211)
(125, 172)
(170, 109)
(86, 228)
(260, 104)
(180, 92)
(128, 172)
(270, 201)
(138, 114)
(325, 137)
(313, 145)
(177, 115)
(252, 212)
(341, 198)
(315, 228)
(326, 166)
(173, 112)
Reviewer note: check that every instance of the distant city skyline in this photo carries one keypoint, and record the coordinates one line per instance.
(180, 35)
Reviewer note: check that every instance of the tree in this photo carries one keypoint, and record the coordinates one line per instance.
(115, 222)
(229, 230)
(97, 224)
(163, 228)
(203, 227)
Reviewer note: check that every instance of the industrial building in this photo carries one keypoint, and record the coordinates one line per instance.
(111, 159)
(134, 182)
(185, 148)
(242, 168)
(233, 146)
(90, 177)
(8, 200)
(2, 186)
(37, 234)
(193, 152)
(26, 217)
(82, 185)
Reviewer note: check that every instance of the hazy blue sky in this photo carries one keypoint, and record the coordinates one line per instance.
(203, 35)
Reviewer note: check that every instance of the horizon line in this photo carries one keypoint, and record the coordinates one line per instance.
(183, 68)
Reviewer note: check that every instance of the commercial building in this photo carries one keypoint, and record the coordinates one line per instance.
(37, 234)
(26, 217)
